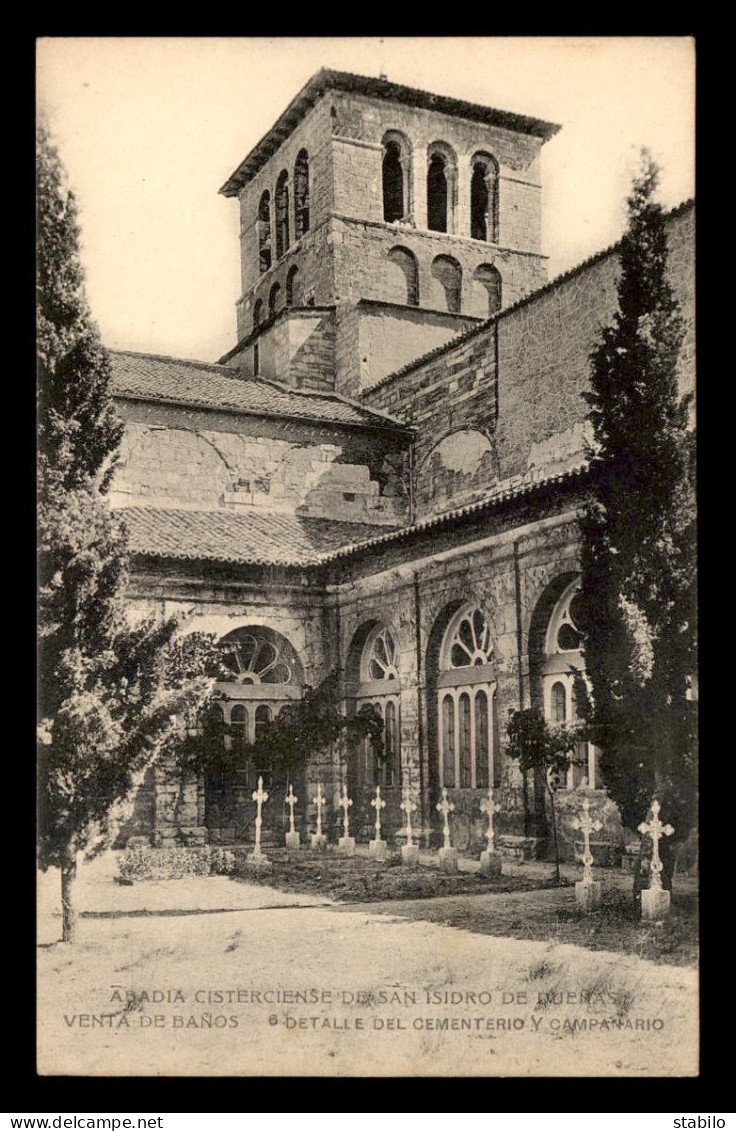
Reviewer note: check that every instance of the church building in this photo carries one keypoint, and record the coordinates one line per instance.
(381, 481)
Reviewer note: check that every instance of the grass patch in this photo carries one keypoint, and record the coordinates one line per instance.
(551, 916)
(358, 879)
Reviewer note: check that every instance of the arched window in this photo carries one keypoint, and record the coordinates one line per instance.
(258, 657)
(487, 290)
(375, 685)
(396, 177)
(484, 198)
(301, 194)
(273, 299)
(264, 232)
(263, 717)
(558, 702)
(466, 687)
(561, 665)
(447, 277)
(239, 723)
(257, 312)
(292, 286)
(441, 187)
(265, 675)
(282, 214)
(403, 277)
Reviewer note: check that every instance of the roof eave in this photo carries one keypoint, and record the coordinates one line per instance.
(313, 421)
(379, 88)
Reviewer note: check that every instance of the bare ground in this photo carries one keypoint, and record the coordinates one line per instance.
(207, 976)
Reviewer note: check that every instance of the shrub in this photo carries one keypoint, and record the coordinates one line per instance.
(142, 862)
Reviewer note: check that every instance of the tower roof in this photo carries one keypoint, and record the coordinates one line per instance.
(326, 80)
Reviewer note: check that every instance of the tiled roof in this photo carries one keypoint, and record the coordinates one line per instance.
(326, 80)
(199, 384)
(503, 492)
(269, 539)
(226, 536)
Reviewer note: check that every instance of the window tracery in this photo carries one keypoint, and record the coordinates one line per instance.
(466, 702)
(379, 691)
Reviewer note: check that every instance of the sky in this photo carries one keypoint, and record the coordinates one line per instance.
(149, 129)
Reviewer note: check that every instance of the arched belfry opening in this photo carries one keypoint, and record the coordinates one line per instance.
(293, 289)
(301, 194)
(441, 186)
(437, 194)
(484, 198)
(282, 214)
(396, 177)
(264, 233)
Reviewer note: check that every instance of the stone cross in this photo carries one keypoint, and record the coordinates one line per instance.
(345, 803)
(445, 807)
(586, 826)
(656, 830)
(378, 805)
(291, 801)
(409, 807)
(319, 801)
(489, 806)
(259, 796)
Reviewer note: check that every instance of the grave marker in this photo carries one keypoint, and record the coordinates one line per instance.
(409, 851)
(378, 847)
(257, 857)
(655, 900)
(346, 843)
(587, 891)
(293, 839)
(448, 861)
(318, 839)
(490, 861)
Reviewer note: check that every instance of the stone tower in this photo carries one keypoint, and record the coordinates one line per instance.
(376, 221)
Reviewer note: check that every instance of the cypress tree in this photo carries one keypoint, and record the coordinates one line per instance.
(108, 691)
(638, 535)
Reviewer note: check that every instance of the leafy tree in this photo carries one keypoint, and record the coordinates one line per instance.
(108, 690)
(638, 535)
(542, 749)
(302, 728)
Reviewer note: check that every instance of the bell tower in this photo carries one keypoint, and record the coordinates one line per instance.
(377, 221)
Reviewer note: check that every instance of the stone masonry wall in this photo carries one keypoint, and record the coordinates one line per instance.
(543, 348)
(363, 121)
(311, 256)
(454, 390)
(413, 595)
(297, 348)
(344, 255)
(314, 135)
(173, 459)
(482, 574)
(391, 336)
(362, 269)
